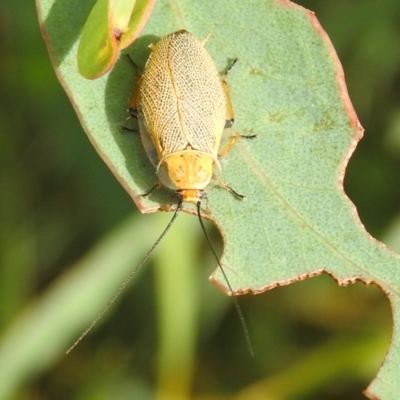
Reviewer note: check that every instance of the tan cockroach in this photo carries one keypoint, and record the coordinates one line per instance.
(183, 105)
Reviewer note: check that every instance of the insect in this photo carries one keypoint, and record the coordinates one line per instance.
(183, 105)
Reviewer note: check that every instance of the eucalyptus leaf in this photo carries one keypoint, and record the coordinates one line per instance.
(288, 88)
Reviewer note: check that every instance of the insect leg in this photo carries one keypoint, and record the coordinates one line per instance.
(135, 98)
(132, 109)
(231, 142)
(156, 186)
(230, 116)
(228, 188)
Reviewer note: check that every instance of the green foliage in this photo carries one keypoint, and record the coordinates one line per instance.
(59, 200)
(111, 25)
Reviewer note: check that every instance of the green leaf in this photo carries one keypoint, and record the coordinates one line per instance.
(121, 12)
(112, 25)
(288, 88)
(58, 317)
(138, 19)
(98, 50)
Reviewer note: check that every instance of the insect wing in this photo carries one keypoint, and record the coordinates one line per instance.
(181, 98)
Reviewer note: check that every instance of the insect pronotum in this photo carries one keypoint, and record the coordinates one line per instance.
(183, 106)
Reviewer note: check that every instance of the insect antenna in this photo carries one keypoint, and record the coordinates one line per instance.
(131, 275)
(234, 298)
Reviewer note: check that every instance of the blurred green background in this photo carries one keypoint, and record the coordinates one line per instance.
(62, 212)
